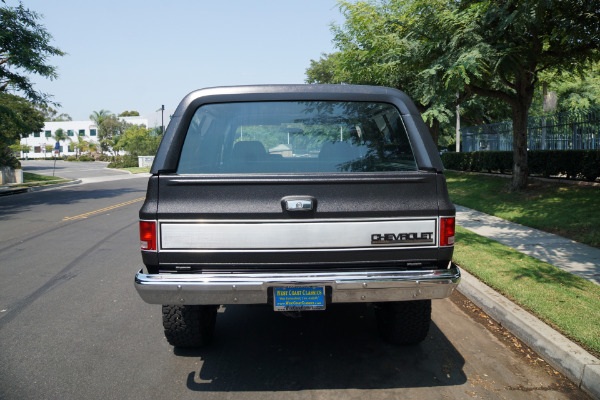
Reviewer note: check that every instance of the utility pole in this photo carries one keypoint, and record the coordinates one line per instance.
(162, 119)
(457, 123)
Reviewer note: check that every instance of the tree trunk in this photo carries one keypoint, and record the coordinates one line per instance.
(520, 114)
(434, 129)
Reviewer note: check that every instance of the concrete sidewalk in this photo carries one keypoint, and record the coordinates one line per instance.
(567, 357)
(563, 253)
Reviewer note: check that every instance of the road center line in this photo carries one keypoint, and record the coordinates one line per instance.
(83, 216)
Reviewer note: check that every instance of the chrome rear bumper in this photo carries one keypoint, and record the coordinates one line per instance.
(346, 287)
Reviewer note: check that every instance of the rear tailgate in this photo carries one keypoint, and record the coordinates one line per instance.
(342, 221)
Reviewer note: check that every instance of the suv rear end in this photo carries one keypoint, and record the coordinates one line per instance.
(296, 196)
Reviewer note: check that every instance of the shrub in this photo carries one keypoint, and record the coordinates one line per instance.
(102, 157)
(575, 164)
(8, 159)
(127, 161)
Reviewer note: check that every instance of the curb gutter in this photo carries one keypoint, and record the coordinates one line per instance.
(564, 355)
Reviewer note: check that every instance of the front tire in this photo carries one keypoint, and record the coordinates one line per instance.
(403, 322)
(189, 326)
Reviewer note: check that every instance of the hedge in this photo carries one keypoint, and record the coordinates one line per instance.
(575, 164)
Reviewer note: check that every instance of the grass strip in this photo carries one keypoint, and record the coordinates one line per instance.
(566, 210)
(567, 302)
(137, 170)
(30, 180)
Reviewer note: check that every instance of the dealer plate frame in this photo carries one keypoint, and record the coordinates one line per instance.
(299, 298)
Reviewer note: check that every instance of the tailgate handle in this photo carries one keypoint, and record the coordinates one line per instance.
(302, 204)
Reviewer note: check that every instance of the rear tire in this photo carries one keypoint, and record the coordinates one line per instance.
(403, 322)
(189, 326)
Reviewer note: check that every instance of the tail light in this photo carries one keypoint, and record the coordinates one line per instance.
(148, 235)
(447, 230)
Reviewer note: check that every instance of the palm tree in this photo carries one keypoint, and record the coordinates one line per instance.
(98, 116)
(81, 146)
(60, 136)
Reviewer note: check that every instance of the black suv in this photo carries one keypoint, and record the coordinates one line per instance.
(296, 196)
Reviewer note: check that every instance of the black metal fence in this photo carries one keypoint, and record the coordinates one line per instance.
(564, 131)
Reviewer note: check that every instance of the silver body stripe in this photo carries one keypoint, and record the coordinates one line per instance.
(238, 235)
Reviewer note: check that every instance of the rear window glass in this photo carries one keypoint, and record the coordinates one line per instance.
(296, 137)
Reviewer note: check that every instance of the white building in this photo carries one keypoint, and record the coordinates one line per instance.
(41, 141)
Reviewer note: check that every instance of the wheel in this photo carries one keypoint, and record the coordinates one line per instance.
(403, 322)
(189, 326)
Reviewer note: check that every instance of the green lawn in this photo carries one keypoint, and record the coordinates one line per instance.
(137, 170)
(567, 210)
(565, 301)
(30, 179)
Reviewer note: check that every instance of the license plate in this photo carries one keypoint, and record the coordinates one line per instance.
(299, 298)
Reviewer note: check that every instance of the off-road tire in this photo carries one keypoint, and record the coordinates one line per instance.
(403, 322)
(189, 326)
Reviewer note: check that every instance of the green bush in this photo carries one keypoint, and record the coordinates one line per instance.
(86, 158)
(71, 158)
(102, 157)
(8, 159)
(127, 161)
(575, 164)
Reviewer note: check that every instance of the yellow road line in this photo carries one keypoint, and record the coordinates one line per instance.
(82, 216)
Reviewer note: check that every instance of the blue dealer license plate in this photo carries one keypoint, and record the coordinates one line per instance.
(299, 298)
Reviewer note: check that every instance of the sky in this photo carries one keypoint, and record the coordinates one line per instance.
(138, 55)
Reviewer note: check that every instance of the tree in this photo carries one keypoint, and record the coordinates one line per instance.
(137, 140)
(376, 48)
(20, 148)
(328, 69)
(129, 114)
(110, 130)
(498, 48)
(99, 116)
(48, 149)
(81, 146)
(60, 136)
(17, 118)
(51, 114)
(24, 50)
(574, 91)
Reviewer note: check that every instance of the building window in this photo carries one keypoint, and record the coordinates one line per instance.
(48, 133)
(60, 149)
(82, 132)
(37, 149)
(36, 134)
(70, 148)
(70, 132)
(92, 132)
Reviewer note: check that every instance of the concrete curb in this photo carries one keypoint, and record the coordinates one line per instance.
(564, 355)
(8, 192)
(44, 187)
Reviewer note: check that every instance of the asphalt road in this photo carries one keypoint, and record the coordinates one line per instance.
(70, 169)
(73, 327)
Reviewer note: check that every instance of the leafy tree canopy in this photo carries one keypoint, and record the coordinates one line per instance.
(52, 115)
(18, 117)
(492, 49)
(140, 141)
(129, 114)
(24, 50)
(110, 130)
